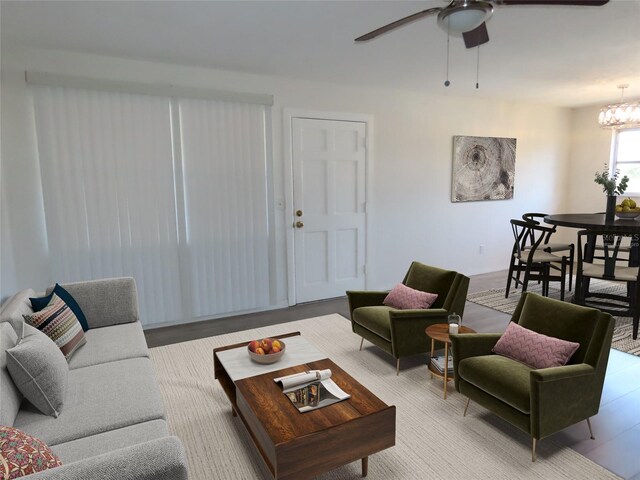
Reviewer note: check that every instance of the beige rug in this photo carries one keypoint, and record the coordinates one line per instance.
(433, 439)
(622, 333)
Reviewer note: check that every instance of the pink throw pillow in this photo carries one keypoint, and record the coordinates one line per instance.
(403, 298)
(534, 349)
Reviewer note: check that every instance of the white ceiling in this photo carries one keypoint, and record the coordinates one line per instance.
(566, 56)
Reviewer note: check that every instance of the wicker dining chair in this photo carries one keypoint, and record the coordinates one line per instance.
(553, 247)
(529, 257)
(608, 265)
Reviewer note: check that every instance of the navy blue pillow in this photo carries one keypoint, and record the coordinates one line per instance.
(39, 303)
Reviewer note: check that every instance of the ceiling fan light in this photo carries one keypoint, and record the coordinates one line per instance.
(465, 17)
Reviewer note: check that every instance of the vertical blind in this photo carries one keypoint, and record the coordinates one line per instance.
(190, 224)
(224, 178)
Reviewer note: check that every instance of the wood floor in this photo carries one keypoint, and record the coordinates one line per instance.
(616, 427)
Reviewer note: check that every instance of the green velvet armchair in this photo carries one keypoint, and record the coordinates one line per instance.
(544, 401)
(401, 332)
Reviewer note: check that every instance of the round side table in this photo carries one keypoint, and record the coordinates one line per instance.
(440, 332)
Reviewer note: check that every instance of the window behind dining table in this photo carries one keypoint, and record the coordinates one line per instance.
(625, 155)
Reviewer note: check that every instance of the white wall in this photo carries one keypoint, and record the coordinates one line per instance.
(590, 149)
(411, 214)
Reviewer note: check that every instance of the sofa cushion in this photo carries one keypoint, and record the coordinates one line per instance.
(39, 370)
(404, 297)
(112, 440)
(109, 344)
(108, 301)
(374, 319)
(534, 349)
(500, 377)
(22, 454)
(99, 398)
(60, 324)
(39, 303)
(10, 396)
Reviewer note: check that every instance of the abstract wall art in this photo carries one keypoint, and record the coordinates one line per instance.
(484, 168)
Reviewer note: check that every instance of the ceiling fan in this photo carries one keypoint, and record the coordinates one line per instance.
(468, 17)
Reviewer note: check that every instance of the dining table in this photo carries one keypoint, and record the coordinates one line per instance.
(595, 221)
(598, 224)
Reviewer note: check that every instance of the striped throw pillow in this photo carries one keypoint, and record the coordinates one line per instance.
(60, 324)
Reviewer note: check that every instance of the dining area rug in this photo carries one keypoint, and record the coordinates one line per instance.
(622, 333)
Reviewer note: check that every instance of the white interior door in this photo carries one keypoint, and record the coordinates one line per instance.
(329, 207)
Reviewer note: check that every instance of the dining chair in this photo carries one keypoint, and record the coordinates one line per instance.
(529, 257)
(611, 267)
(553, 247)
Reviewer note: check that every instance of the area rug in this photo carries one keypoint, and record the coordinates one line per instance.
(433, 439)
(622, 333)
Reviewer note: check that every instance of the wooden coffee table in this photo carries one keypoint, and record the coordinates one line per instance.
(298, 445)
(440, 332)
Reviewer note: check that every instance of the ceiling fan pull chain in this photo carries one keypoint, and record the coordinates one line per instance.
(447, 82)
(478, 69)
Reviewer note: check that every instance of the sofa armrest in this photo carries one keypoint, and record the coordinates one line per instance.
(562, 396)
(467, 345)
(432, 314)
(561, 373)
(408, 335)
(106, 302)
(159, 459)
(359, 299)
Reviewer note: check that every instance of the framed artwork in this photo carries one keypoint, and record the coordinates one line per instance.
(484, 168)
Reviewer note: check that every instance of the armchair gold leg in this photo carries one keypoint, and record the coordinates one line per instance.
(590, 431)
(533, 450)
(466, 407)
(397, 367)
(361, 343)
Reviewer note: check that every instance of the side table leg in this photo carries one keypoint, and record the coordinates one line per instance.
(446, 367)
(433, 344)
(365, 466)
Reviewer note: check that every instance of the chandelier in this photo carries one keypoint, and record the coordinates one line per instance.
(620, 115)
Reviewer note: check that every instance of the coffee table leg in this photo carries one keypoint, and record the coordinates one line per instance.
(446, 367)
(365, 466)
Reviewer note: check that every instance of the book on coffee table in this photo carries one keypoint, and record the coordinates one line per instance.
(311, 390)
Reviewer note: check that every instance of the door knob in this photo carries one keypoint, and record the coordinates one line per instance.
(298, 213)
(299, 224)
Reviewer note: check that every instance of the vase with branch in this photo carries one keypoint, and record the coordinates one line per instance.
(610, 186)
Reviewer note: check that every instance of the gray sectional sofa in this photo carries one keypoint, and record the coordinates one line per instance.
(112, 424)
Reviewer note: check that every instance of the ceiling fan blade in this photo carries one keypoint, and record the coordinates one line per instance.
(574, 3)
(398, 23)
(477, 36)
